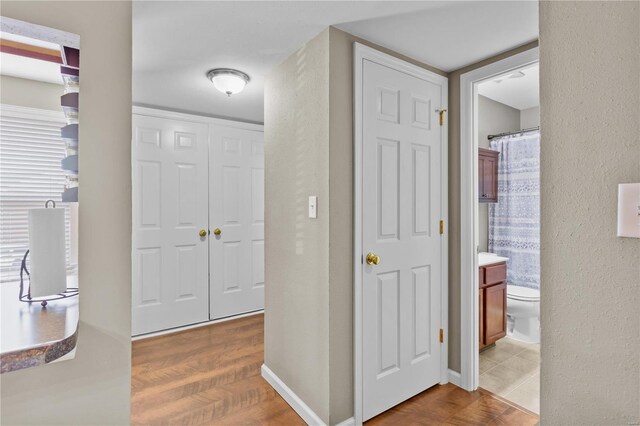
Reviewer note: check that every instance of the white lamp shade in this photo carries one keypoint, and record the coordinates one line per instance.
(629, 210)
(229, 84)
(228, 80)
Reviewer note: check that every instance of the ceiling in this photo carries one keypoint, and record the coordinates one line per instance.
(519, 93)
(176, 43)
(454, 34)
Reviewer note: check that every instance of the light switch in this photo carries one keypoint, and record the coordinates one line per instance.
(313, 207)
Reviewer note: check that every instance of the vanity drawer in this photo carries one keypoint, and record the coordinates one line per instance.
(494, 274)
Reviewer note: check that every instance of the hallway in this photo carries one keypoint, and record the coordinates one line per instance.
(211, 376)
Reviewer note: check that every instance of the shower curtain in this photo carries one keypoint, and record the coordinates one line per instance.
(514, 221)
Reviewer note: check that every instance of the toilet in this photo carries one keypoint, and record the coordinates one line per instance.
(523, 313)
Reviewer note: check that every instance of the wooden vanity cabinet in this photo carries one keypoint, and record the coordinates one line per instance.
(493, 303)
(488, 175)
(495, 312)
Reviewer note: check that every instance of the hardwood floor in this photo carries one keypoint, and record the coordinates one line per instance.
(451, 405)
(206, 376)
(211, 376)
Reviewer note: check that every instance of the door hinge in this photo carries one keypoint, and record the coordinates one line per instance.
(441, 227)
(441, 336)
(441, 112)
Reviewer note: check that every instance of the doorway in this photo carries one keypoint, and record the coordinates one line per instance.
(400, 238)
(500, 229)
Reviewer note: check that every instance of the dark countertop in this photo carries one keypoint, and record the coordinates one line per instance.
(32, 335)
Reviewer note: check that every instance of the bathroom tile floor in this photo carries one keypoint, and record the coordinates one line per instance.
(511, 369)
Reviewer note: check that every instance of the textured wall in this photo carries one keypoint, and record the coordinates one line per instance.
(454, 201)
(93, 388)
(341, 226)
(590, 287)
(493, 118)
(297, 248)
(30, 93)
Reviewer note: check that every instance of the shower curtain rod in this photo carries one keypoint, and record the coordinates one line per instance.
(531, 129)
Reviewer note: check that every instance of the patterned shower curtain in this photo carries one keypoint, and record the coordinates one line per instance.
(514, 221)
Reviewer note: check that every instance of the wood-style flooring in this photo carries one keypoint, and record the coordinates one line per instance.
(211, 376)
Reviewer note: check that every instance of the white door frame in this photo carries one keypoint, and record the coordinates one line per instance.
(469, 292)
(361, 53)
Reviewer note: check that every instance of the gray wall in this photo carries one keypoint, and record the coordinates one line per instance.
(590, 284)
(530, 117)
(454, 201)
(493, 118)
(93, 388)
(30, 93)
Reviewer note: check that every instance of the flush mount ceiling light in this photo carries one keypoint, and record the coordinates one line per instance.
(227, 80)
(517, 74)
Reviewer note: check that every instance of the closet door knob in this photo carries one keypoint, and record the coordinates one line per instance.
(217, 232)
(202, 233)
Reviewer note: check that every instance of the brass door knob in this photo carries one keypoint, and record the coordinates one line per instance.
(203, 233)
(217, 232)
(373, 259)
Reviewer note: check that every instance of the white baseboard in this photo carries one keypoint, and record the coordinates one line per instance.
(292, 399)
(349, 422)
(454, 377)
(191, 326)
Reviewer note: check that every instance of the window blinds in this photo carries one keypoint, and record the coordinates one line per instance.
(30, 174)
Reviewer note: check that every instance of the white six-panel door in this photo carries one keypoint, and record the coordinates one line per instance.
(401, 210)
(170, 264)
(236, 197)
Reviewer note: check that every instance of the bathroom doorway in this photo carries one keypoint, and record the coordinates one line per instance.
(500, 248)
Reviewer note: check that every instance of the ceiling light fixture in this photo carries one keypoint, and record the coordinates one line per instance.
(227, 80)
(517, 74)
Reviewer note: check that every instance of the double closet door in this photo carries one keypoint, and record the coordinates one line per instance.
(198, 221)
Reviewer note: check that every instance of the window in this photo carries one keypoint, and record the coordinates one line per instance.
(30, 174)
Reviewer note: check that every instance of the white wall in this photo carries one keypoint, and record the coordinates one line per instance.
(590, 284)
(30, 93)
(93, 388)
